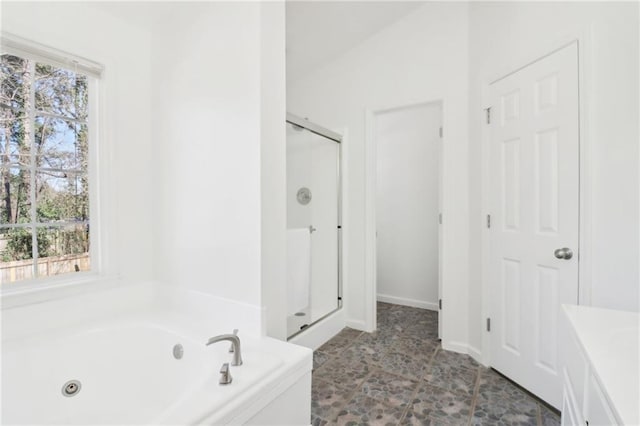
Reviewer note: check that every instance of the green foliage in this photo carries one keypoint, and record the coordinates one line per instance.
(71, 241)
(52, 241)
(20, 244)
(48, 211)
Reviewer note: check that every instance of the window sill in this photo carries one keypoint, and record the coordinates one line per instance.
(42, 290)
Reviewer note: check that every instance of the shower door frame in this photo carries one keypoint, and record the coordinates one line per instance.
(337, 138)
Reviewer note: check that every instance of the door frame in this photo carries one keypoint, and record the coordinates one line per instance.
(371, 260)
(585, 129)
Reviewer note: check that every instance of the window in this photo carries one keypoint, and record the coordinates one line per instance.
(44, 169)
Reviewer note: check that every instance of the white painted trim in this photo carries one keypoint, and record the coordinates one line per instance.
(453, 346)
(370, 253)
(485, 237)
(370, 261)
(464, 348)
(475, 353)
(432, 306)
(441, 222)
(344, 206)
(584, 41)
(30, 49)
(585, 89)
(358, 325)
(322, 331)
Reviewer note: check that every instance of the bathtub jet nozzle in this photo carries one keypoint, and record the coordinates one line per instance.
(71, 388)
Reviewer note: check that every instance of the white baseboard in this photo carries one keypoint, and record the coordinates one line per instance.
(357, 325)
(476, 354)
(459, 347)
(317, 334)
(407, 302)
(464, 348)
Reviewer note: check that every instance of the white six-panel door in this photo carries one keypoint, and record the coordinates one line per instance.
(534, 210)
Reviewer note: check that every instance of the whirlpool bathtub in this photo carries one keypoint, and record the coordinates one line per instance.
(148, 369)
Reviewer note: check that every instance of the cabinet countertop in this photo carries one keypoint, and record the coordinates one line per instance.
(610, 340)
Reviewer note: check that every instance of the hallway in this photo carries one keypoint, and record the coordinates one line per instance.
(400, 375)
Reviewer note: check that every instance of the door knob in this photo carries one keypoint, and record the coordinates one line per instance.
(563, 253)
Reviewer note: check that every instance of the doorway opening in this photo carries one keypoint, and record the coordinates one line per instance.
(407, 143)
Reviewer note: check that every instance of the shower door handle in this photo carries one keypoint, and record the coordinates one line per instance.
(312, 229)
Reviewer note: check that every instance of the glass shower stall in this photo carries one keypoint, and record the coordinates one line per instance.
(314, 228)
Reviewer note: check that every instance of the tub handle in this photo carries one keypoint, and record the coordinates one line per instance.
(225, 374)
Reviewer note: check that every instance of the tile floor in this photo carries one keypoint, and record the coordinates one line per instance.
(400, 375)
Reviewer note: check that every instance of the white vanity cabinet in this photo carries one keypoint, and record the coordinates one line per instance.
(598, 409)
(601, 383)
(574, 382)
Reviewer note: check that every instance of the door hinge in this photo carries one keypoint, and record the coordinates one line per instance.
(441, 133)
(440, 304)
(488, 221)
(488, 110)
(440, 218)
(488, 324)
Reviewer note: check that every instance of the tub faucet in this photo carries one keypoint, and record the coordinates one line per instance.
(235, 343)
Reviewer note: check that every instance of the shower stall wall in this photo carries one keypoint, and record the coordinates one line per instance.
(313, 224)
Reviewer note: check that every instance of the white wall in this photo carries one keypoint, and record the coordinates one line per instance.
(194, 126)
(186, 111)
(91, 31)
(273, 167)
(408, 145)
(207, 132)
(504, 36)
(422, 57)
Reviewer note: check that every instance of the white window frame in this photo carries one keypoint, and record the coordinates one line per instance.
(14, 45)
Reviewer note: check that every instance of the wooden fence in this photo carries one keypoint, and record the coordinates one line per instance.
(19, 270)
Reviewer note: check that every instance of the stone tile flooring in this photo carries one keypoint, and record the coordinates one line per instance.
(400, 375)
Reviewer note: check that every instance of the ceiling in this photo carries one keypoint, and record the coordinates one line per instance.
(319, 31)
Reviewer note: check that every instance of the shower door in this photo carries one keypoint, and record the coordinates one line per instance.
(313, 224)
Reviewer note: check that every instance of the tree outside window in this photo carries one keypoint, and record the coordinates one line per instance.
(44, 181)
